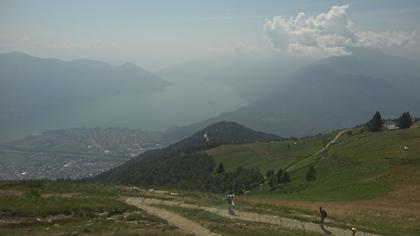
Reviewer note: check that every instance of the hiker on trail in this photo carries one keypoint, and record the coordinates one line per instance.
(322, 214)
(231, 203)
(354, 231)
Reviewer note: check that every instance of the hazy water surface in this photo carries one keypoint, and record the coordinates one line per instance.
(183, 102)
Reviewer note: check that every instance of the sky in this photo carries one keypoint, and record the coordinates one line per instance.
(157, 34)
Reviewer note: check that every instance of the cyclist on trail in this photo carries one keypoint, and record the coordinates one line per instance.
(322, 214)
(231, 203)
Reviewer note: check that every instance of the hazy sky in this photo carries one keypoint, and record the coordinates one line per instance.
(157, 33)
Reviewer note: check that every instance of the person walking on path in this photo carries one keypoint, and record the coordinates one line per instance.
(354, 231)
(322, 214)
(231, 203)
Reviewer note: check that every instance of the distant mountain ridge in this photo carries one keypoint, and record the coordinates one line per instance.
(83, 77)
(333, 93)
(249, 77)
(34, 89)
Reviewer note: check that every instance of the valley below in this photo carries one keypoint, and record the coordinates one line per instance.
(73, 153)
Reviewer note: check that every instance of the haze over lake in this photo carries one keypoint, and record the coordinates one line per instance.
(182, 102)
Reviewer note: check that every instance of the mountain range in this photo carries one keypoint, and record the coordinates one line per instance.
(325, 95)
(287, 96)
(249, 77)
(38, 94)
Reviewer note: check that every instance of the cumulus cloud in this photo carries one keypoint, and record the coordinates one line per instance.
(329, 33)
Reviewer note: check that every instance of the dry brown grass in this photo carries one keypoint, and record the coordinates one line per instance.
(62, 195)
(7, 192)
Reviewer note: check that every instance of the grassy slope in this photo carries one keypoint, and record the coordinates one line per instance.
(367, 179)
(272, 155)
(362, 166)
(357, 166)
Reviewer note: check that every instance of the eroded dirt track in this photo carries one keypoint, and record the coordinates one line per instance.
(188, 225)
(184, 224)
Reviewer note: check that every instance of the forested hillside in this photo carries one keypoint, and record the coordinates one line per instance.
(182, 165)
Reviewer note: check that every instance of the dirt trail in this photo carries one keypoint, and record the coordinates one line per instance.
(254, 217)
(322, 149)
(332, 141)
(184, 224)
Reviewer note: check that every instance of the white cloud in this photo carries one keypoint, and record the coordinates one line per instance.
(329, 33)
(386, 39)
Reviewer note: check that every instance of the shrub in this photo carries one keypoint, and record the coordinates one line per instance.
(221, 168)
(285, 178)
(279, 174)
(272, 182)
(311, 174)
(269, 173)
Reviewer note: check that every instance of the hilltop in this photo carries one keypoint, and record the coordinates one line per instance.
(182, 164)
(223, 132)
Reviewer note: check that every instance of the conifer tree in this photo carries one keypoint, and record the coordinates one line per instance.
(279, 174)
(269, 173)
(375, 124)
(272, 182)
(311, 174)
(220, 168)
(405, 121)
(285, 178)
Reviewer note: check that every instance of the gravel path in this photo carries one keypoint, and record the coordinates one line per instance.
(246, 216)
(184, 224)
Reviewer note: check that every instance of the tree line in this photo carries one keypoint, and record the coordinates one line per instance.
(405, 121)
(276, 179)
